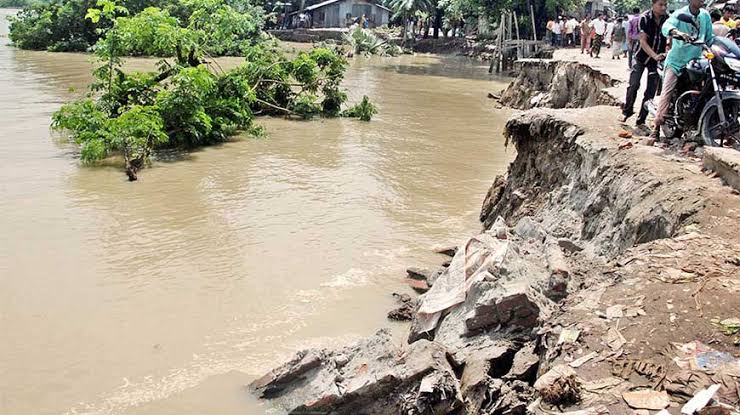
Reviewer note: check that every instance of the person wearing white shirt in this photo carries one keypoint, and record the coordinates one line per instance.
(557, 31)
(609, 31)
(570, 31)
(599, 26)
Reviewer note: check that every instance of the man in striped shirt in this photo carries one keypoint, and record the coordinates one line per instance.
(651, 50)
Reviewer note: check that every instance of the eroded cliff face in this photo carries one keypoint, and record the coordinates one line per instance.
(557, 84)
(586, 190)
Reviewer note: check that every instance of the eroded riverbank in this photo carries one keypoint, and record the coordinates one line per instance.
(601, 279)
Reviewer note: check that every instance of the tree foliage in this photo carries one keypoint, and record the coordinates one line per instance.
(626, 6)
(185, 104)
(365, 42)
(151, 27)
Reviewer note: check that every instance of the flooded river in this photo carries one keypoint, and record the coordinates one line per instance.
(167, 295)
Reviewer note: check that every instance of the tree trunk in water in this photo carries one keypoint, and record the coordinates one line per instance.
(437, 23)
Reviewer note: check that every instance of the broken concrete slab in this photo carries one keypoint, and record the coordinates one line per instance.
(524, 366)
(724, 161)
(477, 380)
(423, 274)
(514, 303)
(420, 286)
(373, 376)
(406, 310)
(647, 399)
(449, 251)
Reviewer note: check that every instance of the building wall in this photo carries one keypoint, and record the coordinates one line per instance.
(341, 14)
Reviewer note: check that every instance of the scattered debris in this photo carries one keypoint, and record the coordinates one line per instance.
(569, 246)
(568, 336)
(626, 145)
(406, 311)
(614, 338)
(624, 368)
(449, 251)
(700, 400)
(583, 359)
(420, 286)
(698, 356)
(559, 386)
(615, 311)
(600, 384)
(675, 276)
(729, 326)
(624, 134)
(525, 363)
(563, 391)
(647, 399)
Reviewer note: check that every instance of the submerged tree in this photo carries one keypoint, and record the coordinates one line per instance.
(186, 103)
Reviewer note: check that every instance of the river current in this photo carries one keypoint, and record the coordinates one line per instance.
(168, 295)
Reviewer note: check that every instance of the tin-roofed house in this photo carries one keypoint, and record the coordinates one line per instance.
(342, 13)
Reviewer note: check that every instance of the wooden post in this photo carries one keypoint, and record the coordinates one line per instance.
(534, 26)
(502, 31)
(519, 51)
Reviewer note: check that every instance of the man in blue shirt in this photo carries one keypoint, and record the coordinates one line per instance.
(681, 52)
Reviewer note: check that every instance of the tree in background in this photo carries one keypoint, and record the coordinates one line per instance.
(626, 6)
(471, 12)
(406, 10)
(60, 25)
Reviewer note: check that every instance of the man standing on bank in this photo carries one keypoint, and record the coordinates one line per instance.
(651, 50)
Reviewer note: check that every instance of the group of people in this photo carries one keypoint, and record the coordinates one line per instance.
(663, 38)
(591, 34)
(646, 39)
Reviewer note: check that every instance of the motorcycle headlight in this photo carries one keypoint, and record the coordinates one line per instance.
(733, 63)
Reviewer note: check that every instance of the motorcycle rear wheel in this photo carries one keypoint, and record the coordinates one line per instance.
(711, 131)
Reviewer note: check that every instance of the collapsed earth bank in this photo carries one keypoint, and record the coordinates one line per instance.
(514, 323)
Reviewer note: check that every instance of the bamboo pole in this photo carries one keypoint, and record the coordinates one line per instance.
(534, 27)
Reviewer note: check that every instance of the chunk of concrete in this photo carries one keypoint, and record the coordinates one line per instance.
(421, 274)
(373, 376)
(524, 366)
(449, 251)
(512, 303)
(724, 161)
(527, 228)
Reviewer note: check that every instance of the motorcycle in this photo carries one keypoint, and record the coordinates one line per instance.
(710, 102)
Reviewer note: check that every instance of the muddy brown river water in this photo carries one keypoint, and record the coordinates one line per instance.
(167, 295)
